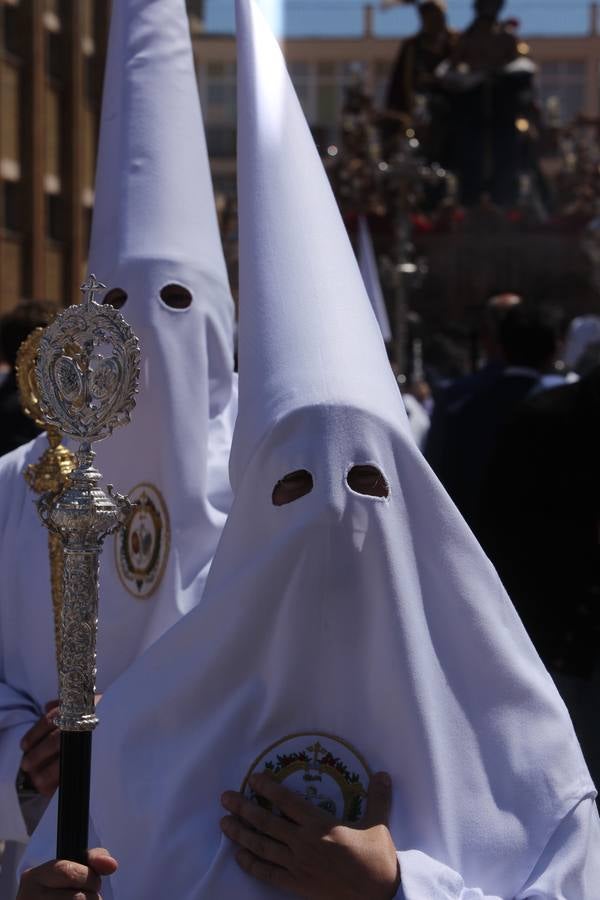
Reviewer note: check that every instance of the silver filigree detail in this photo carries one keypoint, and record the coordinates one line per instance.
(88, 371)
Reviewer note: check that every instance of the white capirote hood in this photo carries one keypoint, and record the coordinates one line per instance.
(155, 225)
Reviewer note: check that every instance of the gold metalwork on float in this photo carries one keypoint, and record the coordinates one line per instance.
(51, 472)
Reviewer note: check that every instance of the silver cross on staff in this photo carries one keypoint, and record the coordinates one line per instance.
(90, 288)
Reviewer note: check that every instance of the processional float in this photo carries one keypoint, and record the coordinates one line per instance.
(86, 373)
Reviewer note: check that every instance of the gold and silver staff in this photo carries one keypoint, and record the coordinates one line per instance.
(51, 472)
(87, 370)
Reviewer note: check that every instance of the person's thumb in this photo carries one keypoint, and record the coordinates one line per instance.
(102, 862)
(379, 801)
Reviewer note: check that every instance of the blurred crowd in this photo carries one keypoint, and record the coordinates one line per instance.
(516, 445)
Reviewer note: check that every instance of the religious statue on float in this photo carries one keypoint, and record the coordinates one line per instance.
(470, 100)
(490, 80)
(415, 97)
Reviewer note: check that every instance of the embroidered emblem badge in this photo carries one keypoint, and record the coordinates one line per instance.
(323, 769)
(142, 546)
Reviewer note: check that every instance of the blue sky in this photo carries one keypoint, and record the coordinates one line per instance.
(308, 17)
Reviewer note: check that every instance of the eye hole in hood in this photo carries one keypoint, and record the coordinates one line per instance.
(116, 297)
(367, 480)
(175, 296)
(292, 486)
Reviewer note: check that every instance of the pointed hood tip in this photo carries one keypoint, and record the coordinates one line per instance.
(308, 333)
(151, 113)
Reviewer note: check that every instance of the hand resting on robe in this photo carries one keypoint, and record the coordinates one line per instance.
(308, 853)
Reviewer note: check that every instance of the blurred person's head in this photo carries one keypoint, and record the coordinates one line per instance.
(433, 16)
(589, 360)
(581, 333)
(495, 311)
(445, 359)
(488, 9)
(530, 336)
(18, 324)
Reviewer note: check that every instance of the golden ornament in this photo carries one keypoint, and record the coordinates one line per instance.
(51, 472)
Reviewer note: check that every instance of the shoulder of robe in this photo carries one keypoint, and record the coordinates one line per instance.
(12, 468)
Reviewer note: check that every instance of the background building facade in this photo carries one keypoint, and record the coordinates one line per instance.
(321, 69)
(51, 70)
(52, 57)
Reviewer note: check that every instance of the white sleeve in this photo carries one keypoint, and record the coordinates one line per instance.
(568, 869)
(17, 714)
(42, 844)
(421, 876)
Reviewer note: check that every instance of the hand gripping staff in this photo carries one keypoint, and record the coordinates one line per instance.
(88, 368)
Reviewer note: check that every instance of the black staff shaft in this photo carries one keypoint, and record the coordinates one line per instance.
(74, 795)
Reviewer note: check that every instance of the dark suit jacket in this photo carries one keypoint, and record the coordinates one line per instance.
(540, 522)
(471, 425)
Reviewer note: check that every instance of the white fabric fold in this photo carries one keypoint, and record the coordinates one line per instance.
(370, 273)
(155, 225)
(27, 658)
(568, 868)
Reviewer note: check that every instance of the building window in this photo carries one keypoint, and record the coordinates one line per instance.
(87, 212)
(87, 18)
(220, 140)
(88, 146)
(12, 202)
(53, 132)
(332, 81)
(303, 80)
(383, 73)
(353, 71)
(195, 8)
(327, 103)
(324, 136)
(90, 78)
(562, 83)
(10, 136)
(221, 91)
(225, 185)
(10, 29)
(54, 217)
(55, 61)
